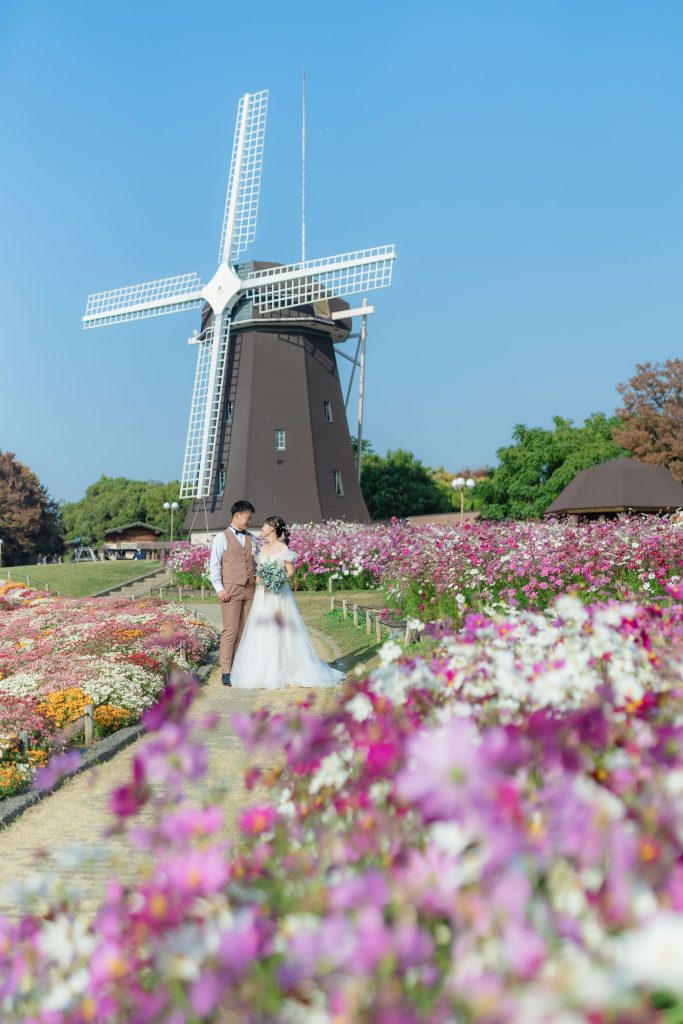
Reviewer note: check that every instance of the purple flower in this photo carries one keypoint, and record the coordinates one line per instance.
(56, 769)
(206, 992)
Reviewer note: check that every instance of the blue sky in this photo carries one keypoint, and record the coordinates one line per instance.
(526, 159)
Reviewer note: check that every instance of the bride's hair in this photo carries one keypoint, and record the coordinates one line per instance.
(281, 531)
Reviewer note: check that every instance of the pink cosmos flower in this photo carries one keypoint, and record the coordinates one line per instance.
(239, 946)
(256, 820)
(442, 766)
(196, 872)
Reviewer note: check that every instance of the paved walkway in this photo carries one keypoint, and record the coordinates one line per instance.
(78, 812)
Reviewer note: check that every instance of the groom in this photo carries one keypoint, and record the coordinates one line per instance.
(232, 570)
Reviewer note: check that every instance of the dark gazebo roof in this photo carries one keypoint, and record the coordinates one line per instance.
(129, 526)
(620, 485)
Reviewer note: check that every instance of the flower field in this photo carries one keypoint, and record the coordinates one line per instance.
(490, 832)
(432, 571)
(59, 654)
(189, 564)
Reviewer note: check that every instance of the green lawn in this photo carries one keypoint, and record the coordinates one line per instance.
(78, 579)
(359, 652)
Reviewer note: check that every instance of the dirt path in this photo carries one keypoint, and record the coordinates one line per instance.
(78, 812)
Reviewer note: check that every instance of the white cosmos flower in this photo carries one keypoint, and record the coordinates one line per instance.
(333, 772)
(63, 994)
(359, 707)
(652, 956)
(389, 652)
(65, 938)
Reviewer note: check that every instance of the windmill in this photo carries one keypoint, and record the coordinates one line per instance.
(267, 417)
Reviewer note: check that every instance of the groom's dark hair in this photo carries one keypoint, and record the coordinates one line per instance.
(242, 506)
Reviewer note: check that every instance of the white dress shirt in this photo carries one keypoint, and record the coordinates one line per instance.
(218, 549)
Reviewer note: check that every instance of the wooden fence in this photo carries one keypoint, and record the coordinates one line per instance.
(373, 618)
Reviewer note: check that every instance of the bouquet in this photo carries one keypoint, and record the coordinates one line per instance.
(271, 576)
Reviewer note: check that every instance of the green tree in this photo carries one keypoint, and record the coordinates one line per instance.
(29, 519)
(114, 501)
(367, 446)
(540, 463)
(399, 485)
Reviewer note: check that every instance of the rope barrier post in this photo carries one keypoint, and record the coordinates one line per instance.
(89, 725)
(378, 628)
(355, 616)
(333, 602)
(23, 738)
(345, 608)
(368, 622)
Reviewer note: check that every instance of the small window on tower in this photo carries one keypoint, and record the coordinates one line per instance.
(327, 411)
(220, 483)
(230, 411)
(279, 440)
(338, 485)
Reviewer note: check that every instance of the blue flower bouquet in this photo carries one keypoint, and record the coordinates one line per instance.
(271, 576)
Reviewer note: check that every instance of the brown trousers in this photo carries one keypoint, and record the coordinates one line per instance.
(235, 614)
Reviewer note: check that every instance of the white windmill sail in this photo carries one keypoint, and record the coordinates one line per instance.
(298, 283)
(153, 298)
(207, 400)
(244, 180)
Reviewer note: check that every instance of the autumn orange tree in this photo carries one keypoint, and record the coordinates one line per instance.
(29, 519)
(651, 418)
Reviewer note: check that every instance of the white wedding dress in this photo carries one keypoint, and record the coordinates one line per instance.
(275, 649)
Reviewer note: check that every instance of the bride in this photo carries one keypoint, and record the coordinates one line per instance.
(275, 649)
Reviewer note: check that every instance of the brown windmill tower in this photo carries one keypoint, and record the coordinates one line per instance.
(267, 420)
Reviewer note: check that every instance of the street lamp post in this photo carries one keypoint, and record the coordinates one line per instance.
(173, 506)
(460, 484)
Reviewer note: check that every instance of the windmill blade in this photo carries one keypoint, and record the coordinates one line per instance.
(244, 180)
(207, 400)
(137, 301)
(299, 283)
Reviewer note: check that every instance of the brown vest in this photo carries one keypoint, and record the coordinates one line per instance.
(237, 564)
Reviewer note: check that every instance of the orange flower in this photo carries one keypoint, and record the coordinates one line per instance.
(37, 757)
(64, 706)
(127, 636)
(109, 718)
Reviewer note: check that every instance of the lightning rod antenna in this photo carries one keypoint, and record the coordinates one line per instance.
(303, 165)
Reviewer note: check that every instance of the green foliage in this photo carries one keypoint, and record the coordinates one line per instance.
(399, 485)
(115, 501)
(366, 446)
(29, 519)
(532, 471)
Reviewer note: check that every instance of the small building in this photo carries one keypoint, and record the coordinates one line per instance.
(134, 540)
(618, 487)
